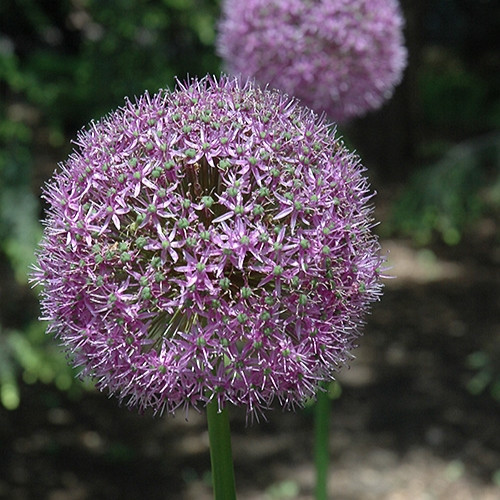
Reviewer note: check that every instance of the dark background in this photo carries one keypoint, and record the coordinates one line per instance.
(419, 411)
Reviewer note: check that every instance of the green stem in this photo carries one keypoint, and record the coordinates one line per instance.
(219, 435)
(321, 450)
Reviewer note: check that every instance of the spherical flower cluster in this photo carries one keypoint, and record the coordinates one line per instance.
(209, 242)
(342, 57)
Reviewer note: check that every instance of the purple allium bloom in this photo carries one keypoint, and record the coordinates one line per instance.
(210, 242)
(343, 57)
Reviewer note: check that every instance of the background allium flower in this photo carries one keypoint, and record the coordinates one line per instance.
(214, 241)
(343, 57)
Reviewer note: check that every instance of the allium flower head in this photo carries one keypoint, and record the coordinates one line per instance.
(209, 242)
(343, 57)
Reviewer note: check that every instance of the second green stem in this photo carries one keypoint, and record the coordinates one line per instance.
(321, 448)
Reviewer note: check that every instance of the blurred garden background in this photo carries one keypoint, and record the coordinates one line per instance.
(418, 416)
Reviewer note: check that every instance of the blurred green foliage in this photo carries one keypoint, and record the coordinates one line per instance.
(28, 354)
(453, 98)
(457, 174)
(486, 373)
(449, 195)
(76, 60)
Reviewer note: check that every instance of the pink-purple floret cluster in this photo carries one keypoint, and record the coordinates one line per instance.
(343, 57)
(210, 242)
